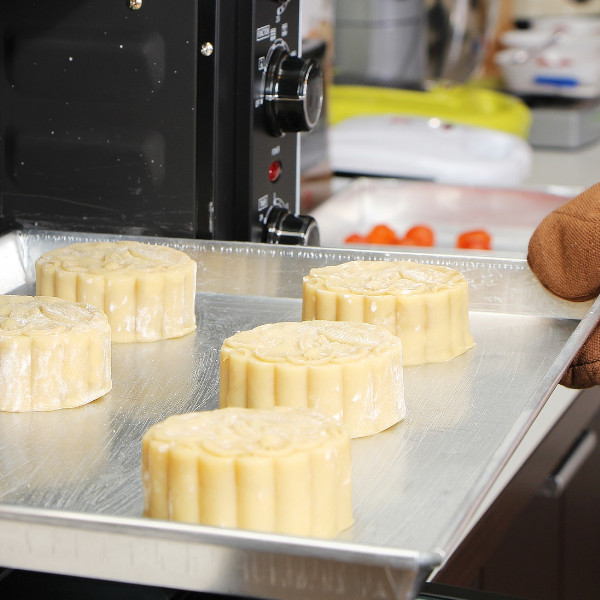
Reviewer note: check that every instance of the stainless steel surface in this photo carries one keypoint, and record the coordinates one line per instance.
(380, 42)
(70, 488)
(461, 33)
(406, 44)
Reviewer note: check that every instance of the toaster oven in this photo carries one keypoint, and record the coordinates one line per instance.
(150, 117)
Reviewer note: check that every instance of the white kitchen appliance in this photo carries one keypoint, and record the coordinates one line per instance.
(429, 149)
(554, 56)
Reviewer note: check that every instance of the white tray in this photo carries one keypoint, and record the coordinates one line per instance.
(509, 215)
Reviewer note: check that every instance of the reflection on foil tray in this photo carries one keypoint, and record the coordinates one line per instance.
(509, 215)
(77, 472)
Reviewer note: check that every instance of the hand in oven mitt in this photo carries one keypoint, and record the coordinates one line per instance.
(564, 254)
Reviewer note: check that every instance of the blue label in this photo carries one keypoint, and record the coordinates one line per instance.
(557, 81)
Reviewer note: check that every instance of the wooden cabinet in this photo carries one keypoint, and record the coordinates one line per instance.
(551, 551)
(527, 562)
(542, 547)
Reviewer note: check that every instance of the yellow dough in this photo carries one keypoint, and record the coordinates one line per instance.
(282, 470)
(425, 305)
(53, 354)
(350, 371)
(147, 291)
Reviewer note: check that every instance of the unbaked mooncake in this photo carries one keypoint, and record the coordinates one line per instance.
(281, 470)
(425, 305)
(350, 371)
(53, 354)
(147, 291)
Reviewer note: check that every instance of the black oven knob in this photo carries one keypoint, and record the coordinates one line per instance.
(293, 93)
(283, 227)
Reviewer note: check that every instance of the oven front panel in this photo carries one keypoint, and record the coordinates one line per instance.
(271, 166)
(148, 121)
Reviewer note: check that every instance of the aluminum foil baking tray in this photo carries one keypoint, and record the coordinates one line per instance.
(70, 485)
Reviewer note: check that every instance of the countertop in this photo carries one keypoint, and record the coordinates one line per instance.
(579, 168)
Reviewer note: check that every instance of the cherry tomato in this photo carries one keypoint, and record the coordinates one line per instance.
(382, 234)
(477, 239)
(419, 235)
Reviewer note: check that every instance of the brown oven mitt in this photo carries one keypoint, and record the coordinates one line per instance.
(564, 254)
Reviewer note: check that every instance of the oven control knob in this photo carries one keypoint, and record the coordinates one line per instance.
(283, 227)
(293, 93)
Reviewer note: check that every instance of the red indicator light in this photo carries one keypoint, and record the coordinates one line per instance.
(274, 171)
